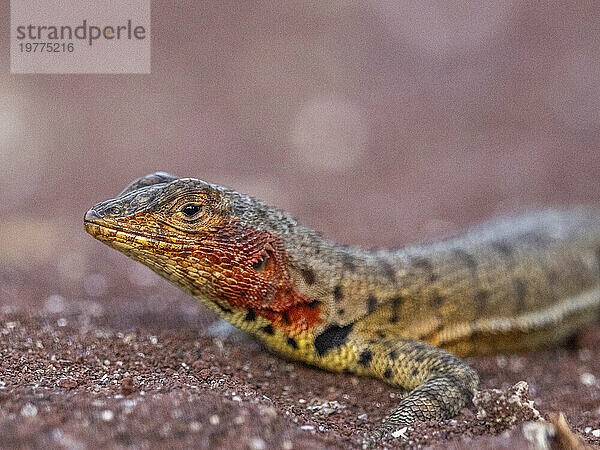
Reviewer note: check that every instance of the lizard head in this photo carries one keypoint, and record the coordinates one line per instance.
(218, 245)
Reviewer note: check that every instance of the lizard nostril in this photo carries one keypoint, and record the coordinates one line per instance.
(91, 216)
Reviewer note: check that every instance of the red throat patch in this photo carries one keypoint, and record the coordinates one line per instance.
(249, 269)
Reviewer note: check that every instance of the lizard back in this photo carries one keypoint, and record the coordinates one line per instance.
(503, 286)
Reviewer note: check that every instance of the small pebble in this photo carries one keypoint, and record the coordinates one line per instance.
(327, 408)
(588, 379)
(400, 432)
(214, 419)
(29, 410)
(307, 428)
(587, 429)
(128, 385)
(596, 433)
(287, 445)
(257, 443)
(107, 415)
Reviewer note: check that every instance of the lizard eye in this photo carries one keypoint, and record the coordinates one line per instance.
(191, 210)
(113, 211)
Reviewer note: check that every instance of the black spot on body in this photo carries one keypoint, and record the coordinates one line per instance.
(365, 358)
(453, 380)
(571, 342)
(381, 335)
(348, 262)
(371, 304)
(286, 318)
(419, 346)
(337, 293)
(250, 316)
(222, 308)
(341, 312)
(396, 303)
(474, 332)
(436, 300)
(387, 373)
(388, 270)
(333, 336)
(553, 276)
(505, 249)
(415, 372)
(268, 329)
(314, 304)
(425, 265)
(308, 275)
(420, 357)
(469, 261)
(292, 342)
(393, 354)
(520, 288)
(481, 298)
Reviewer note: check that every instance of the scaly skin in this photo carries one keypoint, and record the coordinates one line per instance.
(507, 286)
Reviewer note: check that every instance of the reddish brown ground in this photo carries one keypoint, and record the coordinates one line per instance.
(95, 351)
(379, 123)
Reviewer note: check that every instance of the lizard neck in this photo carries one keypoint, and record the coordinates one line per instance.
(348, 281)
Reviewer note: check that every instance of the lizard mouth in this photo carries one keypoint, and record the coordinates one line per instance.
(119, 237)
(101, 230)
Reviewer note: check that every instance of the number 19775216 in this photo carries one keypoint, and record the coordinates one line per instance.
(49, 47)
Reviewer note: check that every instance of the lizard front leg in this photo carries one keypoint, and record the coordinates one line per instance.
(439, 383)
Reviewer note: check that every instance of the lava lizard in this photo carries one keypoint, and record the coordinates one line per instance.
(402, 316)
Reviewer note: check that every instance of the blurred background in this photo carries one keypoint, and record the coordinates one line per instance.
(379, 123)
